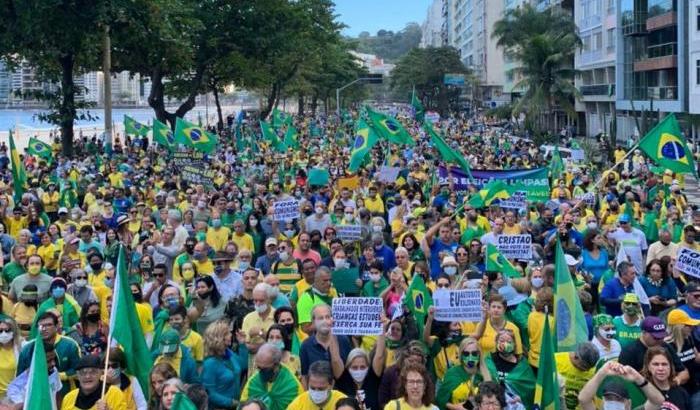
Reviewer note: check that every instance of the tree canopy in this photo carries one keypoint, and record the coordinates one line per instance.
(389, 45)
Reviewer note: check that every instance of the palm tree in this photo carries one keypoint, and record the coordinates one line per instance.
(543, 43)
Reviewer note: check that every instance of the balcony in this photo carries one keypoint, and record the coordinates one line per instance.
(658, 57)
(662, 20)
(663, 93)
(590, 22)
(634, 23)
(597, 90)
(590, 57)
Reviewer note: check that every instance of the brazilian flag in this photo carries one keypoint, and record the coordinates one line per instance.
(417, 300)
(163, 135)
(280, 118)
(195, 136)
(291, 137)
(68, 194)
(447, 153)
(19, 174)
(665, 145)
(418, 108)
(39, 149)
(547, 385)
(365, 139)
(556, 165)
(269, 134)
(495, 262)
(133, 127)
(569, 321)
(496, 189)
(389, 128)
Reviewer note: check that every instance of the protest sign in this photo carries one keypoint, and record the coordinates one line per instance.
(577, 155)
(357, 316)
(388, 174)
(285, 210)
(348, 233)
(457, 305)
(533, 181)
(515, 246)
(516, 201)
(688, 262)
(197, 175)
(344, 280)
(185, 158)
(350, 183)
(588, 198)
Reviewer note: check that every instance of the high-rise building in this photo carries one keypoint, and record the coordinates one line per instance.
(5, 83)
(94, 87)
(510, 75)
(431, 29)
(652, 60)
(694, 63)
(595, 60)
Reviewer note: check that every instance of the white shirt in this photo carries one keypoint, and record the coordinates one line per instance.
(634, 243)
(230, 286)
(17, 389)
(607, 354)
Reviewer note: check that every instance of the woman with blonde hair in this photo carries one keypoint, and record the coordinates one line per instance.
(461, 383)
(160, 373)
(10, 346)
(171, 388)
(221, 369)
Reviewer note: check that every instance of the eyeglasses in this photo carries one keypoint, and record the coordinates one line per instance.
(88, 372)
(470, 353)
(5, 331)
(415, 382)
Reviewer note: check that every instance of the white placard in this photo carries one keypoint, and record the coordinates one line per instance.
(588, 198)
(688, 262)
(357, 316)
(515, 246)
(516, 201)
(388, 174)
(348, 233)
(577, 155)
(457, 305)
(285, 210)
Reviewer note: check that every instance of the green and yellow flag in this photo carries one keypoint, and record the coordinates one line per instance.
(39, 149)
(365, 139)
(271, 135)
(163, 135)
(280, 118)
(547, 386)
(447, 153)
(417, 300)
(19, 174)
(496, 189)
(389, 128)
(291, 137)
(418, 108)
(39, 395)
(133, 127)
(570, 323)
(495, 262)
(665, 145)
(556, 165)
(194, 136)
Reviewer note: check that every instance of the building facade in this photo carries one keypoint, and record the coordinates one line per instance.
(432, 28)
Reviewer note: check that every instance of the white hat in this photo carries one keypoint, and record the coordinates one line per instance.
(448, 260)
(63, 210)
(570, 260)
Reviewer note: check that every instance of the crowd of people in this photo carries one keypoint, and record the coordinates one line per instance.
(235, 305)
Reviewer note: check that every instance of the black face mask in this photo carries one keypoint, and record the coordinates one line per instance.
(308, 212)
(189, 248)
(96, 267)
(289, 328)
(138, 296)
(93, 317)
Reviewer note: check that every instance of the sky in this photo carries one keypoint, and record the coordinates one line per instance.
(373, 15)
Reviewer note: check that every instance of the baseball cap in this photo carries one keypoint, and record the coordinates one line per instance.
(616, 388)
(692, 286)
(169, 341)
(62, 210)
(570, 260)
(630, 298)
(89, 362)
(270, 241)
(654, 326)
(680, 317)
(624, 218)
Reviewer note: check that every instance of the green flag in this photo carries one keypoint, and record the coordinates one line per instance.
(556, 165)
(195, 136)
(569, 319)
(19, 175)
(163, 135)
(39, 395)
(318, 177)
(417, 300)
(269, 134)
(365, 138)
(39, 149)
(547, 385)
(291, 137)
(495, 262)
(389, 128)
(125, 327)
(280, 118)
(182, 402)
(665, 145)
(447, 153)
(133, 127)
(68, 196)
(417, 107)
(496, 189)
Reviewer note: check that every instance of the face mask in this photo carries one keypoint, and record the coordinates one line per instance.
(284, 255)
(319, 211)
(216, 223)
(261, 308)
(308, 212)
(80, 283)
(34, 269)
(359, 375)
(115, 373)
(318, 396)
(375, 278)
(613, 405)
(176, 326)
(138, 296)
(630, 310)
(592, 225)
(109, 282)
(274, 292)
(470, 361)
(267, 375)
(172, 302)
(219, 269)
(506, 348)
(279, 344)
(606, 334)
(243, 265)
(253, 222)
(348, 216)
(377, 228)
(58, 292)
(199, 255)
(537, 282)
(289, 328)
(93, 317)
(339, 263)
(188, 273)
(450, 270)
(289, 233)
(230, 210)
(189, 248)
(6, 337)
(96, 266)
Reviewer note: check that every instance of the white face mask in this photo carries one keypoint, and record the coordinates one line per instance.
(537, 282)
(319, 211)
(606, 334)
(359, 375)
(274, 292)
(613, 405)
(243, 265)
(348, 216)
(261, 308)
(6, 337)
(592, 225)
(450, 270)
(339, 263)
(377, 228)
(80, 283)
(318, 396)
(375, 278)
(253, 222)
(284, 255)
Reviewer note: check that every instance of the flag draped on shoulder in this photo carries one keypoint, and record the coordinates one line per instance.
(417, 300)
(556, 165)
(365, 139)
(665, 145)
(19, 174)
(495, 262)
(547, 385)
(163, 135)
(39, 395)
(39, 149)
(569, 320)
(447, 153)
(194, 136)
(125, 328)
(389, 128)
(133, 127)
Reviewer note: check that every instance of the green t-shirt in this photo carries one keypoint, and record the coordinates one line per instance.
(10, 272)
(368, 290)
(626, 334)
(307, 301)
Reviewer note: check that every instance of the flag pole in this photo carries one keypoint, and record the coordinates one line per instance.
(106, 367)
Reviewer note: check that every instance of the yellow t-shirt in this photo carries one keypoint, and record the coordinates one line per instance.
(8, 368)
(244, 241)
(535, 329)
(196, 345)
(15, 225)
(375, 206)
(145, 313)
(114, 398)
(449, 353)
(401, 404)
(205, 268)
(23, 316)
(253, 319)
(103, 293)
(488, 339)
(303, 402)
(218, 239)
(512, 230)
(49, 254)
(574, 378)
(464, 391)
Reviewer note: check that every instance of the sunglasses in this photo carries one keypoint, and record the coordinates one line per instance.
(80, 277)
(471, 353)
(159, 275)
(443, 285)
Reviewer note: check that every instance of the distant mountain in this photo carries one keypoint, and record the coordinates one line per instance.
(388, 45)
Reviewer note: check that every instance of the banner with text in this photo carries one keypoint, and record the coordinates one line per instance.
(348, 233)
(688, 262)
(357, 316)
(285, 210)
(516, 201)
(457, 305)
(197, 175)
(535, 182)
(515, 246)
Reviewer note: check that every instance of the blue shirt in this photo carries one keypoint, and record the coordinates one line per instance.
(221, 378)
(612, 294)
(435, 248)
(311, 351)
(667, 290)
(596, 267)
(386, 256)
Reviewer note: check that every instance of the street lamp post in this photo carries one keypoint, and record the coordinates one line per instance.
(373, 78)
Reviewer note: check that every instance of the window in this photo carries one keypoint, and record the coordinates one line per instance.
(697, 18)
(611, 39)
(697, 72)
(597, 41)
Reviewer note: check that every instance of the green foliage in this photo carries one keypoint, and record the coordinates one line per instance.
(389, 45)
(425, 68)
